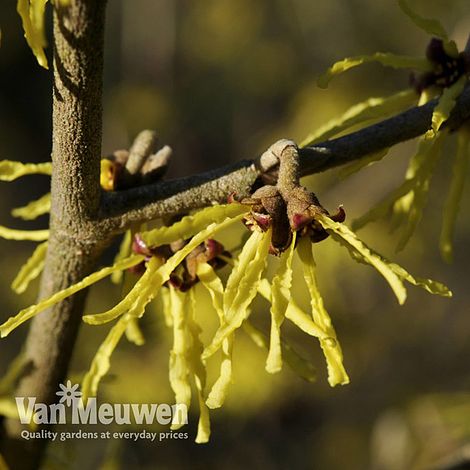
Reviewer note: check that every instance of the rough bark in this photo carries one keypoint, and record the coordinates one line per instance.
(74, 243)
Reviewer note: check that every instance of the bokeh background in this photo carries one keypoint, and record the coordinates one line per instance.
(220, 80)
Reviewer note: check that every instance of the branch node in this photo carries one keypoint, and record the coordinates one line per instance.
(270, 158)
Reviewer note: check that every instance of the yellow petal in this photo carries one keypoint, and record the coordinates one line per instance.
(264, 288)
(204, 423)
(427, 95)
(179, 368)
(330, 346)
(384, 58)
(303, 321)
(429, 25)
(348, 238)
(409, 199)
(32, 17)
(10, 170)
(101, 362)
(371, 109)
(294, 313)
(31, 269)
(451, 208)
(258, 337)
(447, 102)
(279, 301)
(32, 235)
(433, 287)
(209, 279)
(242, 286)
(140, 295)
(429, 285)
(192, 224)
(34, 209)
(299, 365)
(134, 333)
(213, 284)
(124, 252)
(149, 290)
(198, 370)
(408, 210)
(166, 304)
(219, 390)
(29, 312)
(248, 263)
(305, 252)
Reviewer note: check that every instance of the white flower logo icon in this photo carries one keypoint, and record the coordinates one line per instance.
(68, 393)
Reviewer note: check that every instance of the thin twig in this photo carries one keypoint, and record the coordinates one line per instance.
(121, 209)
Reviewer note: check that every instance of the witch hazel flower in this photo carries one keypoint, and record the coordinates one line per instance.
(285, 220)
(442, 73)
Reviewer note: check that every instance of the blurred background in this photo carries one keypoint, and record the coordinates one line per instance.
(221, 80)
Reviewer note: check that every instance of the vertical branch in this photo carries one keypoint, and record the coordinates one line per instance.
(75, 242)
(77, 112)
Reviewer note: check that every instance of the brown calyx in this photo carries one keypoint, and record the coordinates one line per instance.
(446, 69)
(184, 276)
(287, 207)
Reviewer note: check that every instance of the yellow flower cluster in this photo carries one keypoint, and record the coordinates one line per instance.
(232, 302)
(444, 77)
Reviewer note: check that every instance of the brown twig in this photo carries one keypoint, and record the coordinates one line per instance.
(120, 209)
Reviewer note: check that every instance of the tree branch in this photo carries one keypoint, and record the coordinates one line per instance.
(121, 209)
(75, 242)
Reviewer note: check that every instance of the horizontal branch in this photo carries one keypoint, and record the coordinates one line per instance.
(404, 126)
(120, 209)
